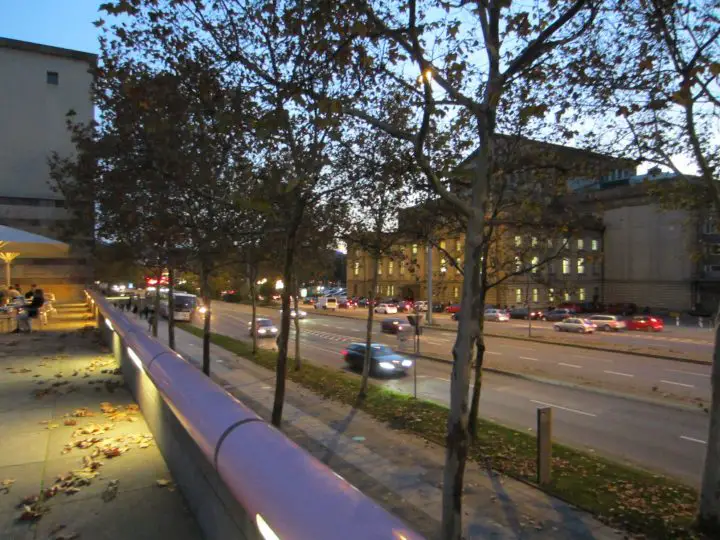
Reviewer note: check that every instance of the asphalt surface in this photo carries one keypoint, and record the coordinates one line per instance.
(658, 437)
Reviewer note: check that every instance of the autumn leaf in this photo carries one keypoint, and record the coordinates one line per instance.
(163, 483)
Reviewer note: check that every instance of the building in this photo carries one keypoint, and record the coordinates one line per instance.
(39, 86)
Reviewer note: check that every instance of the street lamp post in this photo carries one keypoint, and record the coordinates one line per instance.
(429, 283)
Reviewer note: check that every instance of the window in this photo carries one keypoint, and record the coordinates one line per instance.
(458, 269)
(581, 295)
(535, 296)
(551, 295)
(518, 264)
(391, 267)
(458, 245)
(533, 241)
(456, 292)
(379, 266)
(53, 78)
(566, 296)
(518, 241)
(535, 261)
(414, 249)
(581, 265)
(356, 268)
(518, 296)
(551, 268)
(443, 265)
(580, 244)
(442, 244)
(391, 290)
(357, 252)
(594, 245)
(596, 267)
(402, 268)
(377, 289)
(566, 266)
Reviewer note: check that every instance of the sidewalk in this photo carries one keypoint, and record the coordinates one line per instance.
(76, 456)
(400, 471)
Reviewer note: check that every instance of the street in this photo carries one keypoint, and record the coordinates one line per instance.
(658, 437)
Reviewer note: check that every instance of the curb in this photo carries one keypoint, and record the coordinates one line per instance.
(574, 386)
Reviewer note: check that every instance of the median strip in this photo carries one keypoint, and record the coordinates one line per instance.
(623, 496)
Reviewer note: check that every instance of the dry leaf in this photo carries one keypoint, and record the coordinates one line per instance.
(163, 483)
(6, 484)
(70, 422)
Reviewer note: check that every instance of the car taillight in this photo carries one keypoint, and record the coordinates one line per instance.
(652, 319)
(343, 352)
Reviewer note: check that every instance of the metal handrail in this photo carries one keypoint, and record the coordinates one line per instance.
(290, 494)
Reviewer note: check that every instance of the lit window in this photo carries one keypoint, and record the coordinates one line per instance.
(534, 241)
(414, 249)
(53, 78)
(377, 289)
(518, 296)
(535, 295)
(518, 241)
(458, 269)
(595, 245)
(391, 267)
(566, 266)
(581, 294)
(390, 290)
(535, 262)
(581, 265)
(356, 268)
(442, 244)
(456, 292)
(518, 264)
(379, 267)
(458, 245)
(551, 295)
(581, 244)
(402, 268)
(566, 296)
(443, 265)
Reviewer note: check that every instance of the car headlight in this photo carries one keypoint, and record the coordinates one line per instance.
(262, 331)
(273, 330)
(386, 365)
(407, 363)
(303, 313)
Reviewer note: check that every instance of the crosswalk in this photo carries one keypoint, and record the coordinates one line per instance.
(326, 335)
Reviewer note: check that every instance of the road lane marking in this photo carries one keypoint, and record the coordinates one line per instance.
(521, 348)
(493, 352)
(619, 373)
(584, 357)
(688, 372)
(529, 358)
(563, 408)
(433, 342)
(569, 365)
(441, 379)
(678, 383)
(692, 439)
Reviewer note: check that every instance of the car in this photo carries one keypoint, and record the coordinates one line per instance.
(265, 328)
(393, 326)
(386, 308)
(557, 315)
(405, 306)
(383, 360)
(452, 308)
(363, 302)
(300, 313)
(346, 303)
(608, 323)
(575, 324)
(498, 315)
(327, 302)
(421, 305)
(309, 301)
(522, 313)
(647, 323)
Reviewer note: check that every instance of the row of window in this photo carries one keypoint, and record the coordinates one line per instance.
(580, 243)
(566, 296)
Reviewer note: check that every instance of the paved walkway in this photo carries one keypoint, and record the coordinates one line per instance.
(77, 459)
(400, 471)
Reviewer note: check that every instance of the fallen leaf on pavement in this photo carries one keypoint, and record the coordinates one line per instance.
(163, 483)
(70, 422)
(6, 484)
(111, 490)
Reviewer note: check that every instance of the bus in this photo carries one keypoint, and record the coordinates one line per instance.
(185, 305)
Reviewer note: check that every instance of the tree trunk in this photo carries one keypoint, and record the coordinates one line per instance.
(709, 512)
(281, 368)
(253, 296)
(171, 308)
(298, 360)
(479, 359)
(205, 292)
(368, 331)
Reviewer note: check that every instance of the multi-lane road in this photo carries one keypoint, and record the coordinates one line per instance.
(662, 437)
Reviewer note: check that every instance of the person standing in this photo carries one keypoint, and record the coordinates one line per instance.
(31, 291)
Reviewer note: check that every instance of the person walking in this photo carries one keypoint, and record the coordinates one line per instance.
(30, 311)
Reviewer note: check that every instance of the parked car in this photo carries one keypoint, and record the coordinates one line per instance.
(608, 323)
(405, 306)
(622, 309)
(386, 308)
(452, 308)
(309, 301)
(522, 313)
(557, 315)
(647, 323)
(327, 302)
(265, 328)
(383, 360)
(363, 302)
(347, 303)
(300, 313)
(574, 324)
(393, 326)
(572, 306)
(421, 305)
(498, 315)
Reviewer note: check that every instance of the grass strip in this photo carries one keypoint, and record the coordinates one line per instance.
(622, 496)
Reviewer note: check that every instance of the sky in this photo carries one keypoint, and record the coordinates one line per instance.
(61, 23)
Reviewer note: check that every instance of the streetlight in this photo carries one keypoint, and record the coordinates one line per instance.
(279, 285)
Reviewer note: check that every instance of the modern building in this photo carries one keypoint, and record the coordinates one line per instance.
(39, 86)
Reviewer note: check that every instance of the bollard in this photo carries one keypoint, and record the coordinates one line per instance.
(544, 445)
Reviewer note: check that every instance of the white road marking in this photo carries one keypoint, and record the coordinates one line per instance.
(688, 372)
(433, 342)
(521, 348)
(692, 439)
(563, 408)
(529, 358)
(619, 373)
(678, 383)
(493, 352)
(569, 365)
(441, 379)
(584, 357)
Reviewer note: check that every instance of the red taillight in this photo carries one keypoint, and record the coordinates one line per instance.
(652, 319)
(343, 352)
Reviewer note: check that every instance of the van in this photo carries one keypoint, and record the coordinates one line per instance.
(327, 302)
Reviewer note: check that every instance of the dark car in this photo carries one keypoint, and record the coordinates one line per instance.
(265, 328)
(383, 360)
(405, 306)
(522, 313)
(393, 326)
(557, 315)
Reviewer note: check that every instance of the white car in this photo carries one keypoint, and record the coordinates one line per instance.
(421, 305)
(386, 308)
(498, 315)
(300, 313)
(572, 324)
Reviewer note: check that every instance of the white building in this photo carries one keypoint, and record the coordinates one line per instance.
(39, 85)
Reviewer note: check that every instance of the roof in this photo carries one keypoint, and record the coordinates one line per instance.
(48, 50)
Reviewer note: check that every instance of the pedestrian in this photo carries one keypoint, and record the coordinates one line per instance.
(151, 320)
(135, 309)
(30, 311)
(145, 312)
(31, 292)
